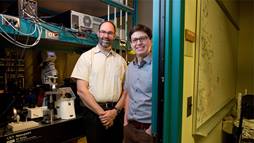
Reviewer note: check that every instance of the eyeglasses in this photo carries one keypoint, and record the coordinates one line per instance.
(109, 33)
(141, 39)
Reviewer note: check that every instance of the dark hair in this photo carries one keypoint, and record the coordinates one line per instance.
(108, 22)
(142, 28)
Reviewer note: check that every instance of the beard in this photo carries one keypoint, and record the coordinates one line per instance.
(105, 43)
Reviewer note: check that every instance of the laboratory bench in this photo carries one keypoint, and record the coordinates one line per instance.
(61, 131)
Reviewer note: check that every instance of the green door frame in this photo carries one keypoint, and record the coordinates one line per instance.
(168, 45)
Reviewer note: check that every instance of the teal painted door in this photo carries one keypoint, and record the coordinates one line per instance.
(168, 43)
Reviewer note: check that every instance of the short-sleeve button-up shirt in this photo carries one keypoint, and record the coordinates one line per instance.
(104, 73)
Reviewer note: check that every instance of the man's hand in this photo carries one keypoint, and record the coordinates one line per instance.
(125, 122)
(149, 130)
(107, 118)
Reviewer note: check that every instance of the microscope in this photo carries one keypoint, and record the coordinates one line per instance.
(48, 69)
(50, 101)
(49, 78)
(60, 101)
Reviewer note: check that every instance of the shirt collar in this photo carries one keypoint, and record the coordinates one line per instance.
(147, 59)
(98, 50)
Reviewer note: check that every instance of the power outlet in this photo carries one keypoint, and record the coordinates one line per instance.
(189, 106)
(11, 20)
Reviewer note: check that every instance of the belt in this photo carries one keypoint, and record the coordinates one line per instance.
(139, 125)
(107, 105)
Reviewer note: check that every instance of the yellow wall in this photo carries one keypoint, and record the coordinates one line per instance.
(188, 84)
(215, 136)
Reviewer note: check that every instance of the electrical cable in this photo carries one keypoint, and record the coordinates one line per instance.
(17, 43)
(37, 27)
(20, 32)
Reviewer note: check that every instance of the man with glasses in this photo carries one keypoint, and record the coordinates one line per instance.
(99, 73)
(138, 85)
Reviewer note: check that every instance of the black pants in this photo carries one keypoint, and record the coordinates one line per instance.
(97, 133)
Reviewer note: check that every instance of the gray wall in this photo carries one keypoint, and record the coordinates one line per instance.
(145, 12)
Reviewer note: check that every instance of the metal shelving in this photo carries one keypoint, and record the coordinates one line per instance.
(119, 5)
(49, 32)
(11, 70)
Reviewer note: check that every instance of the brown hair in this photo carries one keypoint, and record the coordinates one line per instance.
(142, 28)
